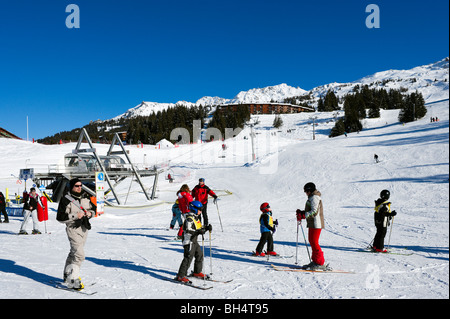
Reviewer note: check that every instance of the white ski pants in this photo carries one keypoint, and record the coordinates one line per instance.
(26, 217)
(77, 239)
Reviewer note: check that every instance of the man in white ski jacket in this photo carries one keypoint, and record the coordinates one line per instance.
(75, 210)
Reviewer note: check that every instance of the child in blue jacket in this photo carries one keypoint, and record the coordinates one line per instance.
(267, 227)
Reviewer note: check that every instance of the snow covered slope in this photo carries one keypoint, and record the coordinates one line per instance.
(129, 252)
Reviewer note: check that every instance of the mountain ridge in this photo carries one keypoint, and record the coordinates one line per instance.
(432, 80)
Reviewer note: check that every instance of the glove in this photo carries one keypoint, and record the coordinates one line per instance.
(393, 213)
(275, 222)
(215, 200)
(208, 228)
(300, 214)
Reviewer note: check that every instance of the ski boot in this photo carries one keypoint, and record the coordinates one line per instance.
(182, 279)
(259, 254)
(376, 250)
(75, 284)
(200, 275)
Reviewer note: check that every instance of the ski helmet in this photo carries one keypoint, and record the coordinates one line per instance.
(195, 206)
(264, 207)
(309, 187)
(385, 194)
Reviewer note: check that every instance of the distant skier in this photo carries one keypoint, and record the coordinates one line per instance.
(200, 193)
(382, 216)
(313, 214)
(74, 210)
(267, 228)
(375, 157)
(30, 209)
(192, 228)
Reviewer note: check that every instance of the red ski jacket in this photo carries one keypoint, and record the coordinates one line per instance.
(184, 198)
(201, 193)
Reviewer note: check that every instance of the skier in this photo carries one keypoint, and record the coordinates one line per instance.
(375, 157)
(382, 217)
(3, 208)
(267, 227)
(176, 215)
(75, 209)
(184, 200)
(192, 228)
(200, 193)
(30, 208)
(313, 214)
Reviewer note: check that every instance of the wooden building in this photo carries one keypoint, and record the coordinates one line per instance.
(267, 108)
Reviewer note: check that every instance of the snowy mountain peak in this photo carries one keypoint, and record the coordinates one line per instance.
(431, 80)
(275, 93)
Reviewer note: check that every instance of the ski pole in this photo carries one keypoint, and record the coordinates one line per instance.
(210, 254)
(203, 249)
(218, 213)
(304, 237)
(390, 233)
(296, 246)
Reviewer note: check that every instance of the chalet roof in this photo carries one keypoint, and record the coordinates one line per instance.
(5, 134)
(268, 103)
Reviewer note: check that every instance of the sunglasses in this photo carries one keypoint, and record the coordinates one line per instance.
(78, 185)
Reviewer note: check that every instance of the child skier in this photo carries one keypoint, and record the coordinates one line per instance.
(176, 213)
(267, 227)
(192, 228)
(382, 216)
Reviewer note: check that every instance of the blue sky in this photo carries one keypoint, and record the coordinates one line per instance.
(129, 51)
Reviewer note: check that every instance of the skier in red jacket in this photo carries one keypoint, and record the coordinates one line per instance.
(184, 200)
(200, 193)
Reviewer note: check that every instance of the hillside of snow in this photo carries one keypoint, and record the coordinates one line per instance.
(129, 252)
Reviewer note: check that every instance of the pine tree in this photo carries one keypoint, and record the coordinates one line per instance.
(413, 108)
(320, 105)
(277, 122)
(338, 129)
(330, 102)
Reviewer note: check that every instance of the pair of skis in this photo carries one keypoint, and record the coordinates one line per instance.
(191, 284)
(253, 254)
(303, 269)
(399, 251)
(61, 286)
